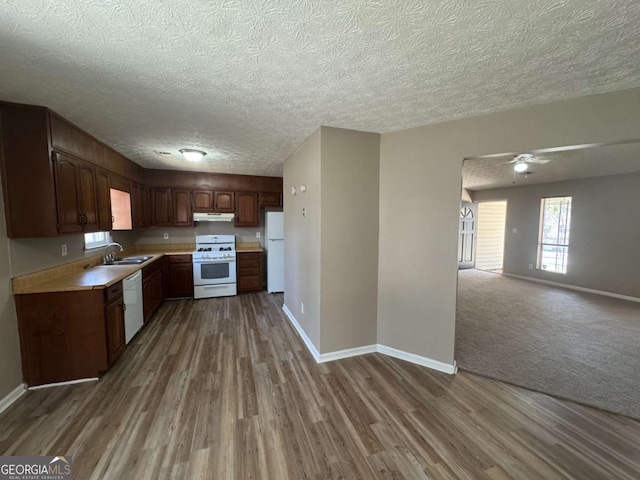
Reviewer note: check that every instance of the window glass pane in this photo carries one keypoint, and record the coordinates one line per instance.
(96, 239)
(213, 271)
(555, 225)
(554, 258)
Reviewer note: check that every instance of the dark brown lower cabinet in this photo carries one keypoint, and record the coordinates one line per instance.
(114, 315)
(152, 288)
(249, 275)
(179, 276)
(70, 335)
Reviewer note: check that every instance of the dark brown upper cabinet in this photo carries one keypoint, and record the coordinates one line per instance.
(76, 194)
(138, 205)
(182, 214)
(247, 210)
(203, 201)
(67, 178)
(223, 202)
(161, 207)
(87, 196)
(270, 199)
(105, 219)
(54, 174)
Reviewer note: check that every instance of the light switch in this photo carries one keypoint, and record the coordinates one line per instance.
(166, 236)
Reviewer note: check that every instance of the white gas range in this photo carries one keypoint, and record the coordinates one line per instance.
(214, 266)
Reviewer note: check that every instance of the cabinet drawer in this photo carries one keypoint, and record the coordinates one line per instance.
(179, 258)
(248, 272)
(113, 292)
(249, 283)
(248, 263)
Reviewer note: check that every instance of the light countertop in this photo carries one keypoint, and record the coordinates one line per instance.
(100, 276)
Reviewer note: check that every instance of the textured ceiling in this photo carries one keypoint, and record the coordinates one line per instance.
(248, 81)
(485, 173)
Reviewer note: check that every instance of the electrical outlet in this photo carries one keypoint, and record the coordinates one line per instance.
(257, 234)
(166, 236)
(64, 249)
(301, 307)
(531, 266)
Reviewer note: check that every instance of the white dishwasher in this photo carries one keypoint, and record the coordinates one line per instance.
(133, 312)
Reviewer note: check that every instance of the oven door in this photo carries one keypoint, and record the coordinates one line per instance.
(214, 272)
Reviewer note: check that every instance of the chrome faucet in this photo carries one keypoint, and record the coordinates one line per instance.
(110, 257)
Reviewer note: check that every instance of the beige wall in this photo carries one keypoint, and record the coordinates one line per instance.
(349, 239)
(604, 237)
(420, 190)
(10, 363)
(302, 236)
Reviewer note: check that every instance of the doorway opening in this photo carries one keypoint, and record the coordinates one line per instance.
(490, 230)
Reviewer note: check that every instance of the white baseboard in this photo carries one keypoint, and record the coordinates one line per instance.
(349, 352)
(354, 352)
(574, 287)
(419, 360)
(307, 341)
(12, 396)
(61, 384)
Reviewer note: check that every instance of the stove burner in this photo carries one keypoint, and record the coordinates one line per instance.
(225, 249)
(204, 249)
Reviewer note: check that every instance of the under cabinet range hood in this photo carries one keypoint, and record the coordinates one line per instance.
(213, 217)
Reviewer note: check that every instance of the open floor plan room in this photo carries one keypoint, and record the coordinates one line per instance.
(224, 388)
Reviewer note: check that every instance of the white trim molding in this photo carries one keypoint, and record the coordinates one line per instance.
(451, 369)
(574, 287)
(12, 396)
(62, 384)
(349, 352)
(307, 341)
(354, 352)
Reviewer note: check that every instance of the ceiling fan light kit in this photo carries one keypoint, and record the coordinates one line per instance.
(520, 167)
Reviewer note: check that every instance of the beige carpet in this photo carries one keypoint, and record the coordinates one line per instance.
(574, 345)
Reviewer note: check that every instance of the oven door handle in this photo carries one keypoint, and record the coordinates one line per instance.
(209, 287)
(222, 260)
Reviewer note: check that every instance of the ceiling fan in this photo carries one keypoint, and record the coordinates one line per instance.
(522, 161)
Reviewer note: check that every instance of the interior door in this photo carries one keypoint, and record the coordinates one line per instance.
(466, 243)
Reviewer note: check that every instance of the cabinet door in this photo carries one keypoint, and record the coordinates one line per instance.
(87, 196)
(115, 329)
(66, 173)
(182, 215)
(161, 208)
(247, 212)
(105, 220)
(270, 199)
(203, 201)
(180, 280)
(148, 297)
(223, 202)
(137, 199)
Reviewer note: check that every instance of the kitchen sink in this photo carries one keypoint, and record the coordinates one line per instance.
(128, 261)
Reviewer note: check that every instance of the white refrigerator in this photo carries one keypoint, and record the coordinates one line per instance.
(274, 233)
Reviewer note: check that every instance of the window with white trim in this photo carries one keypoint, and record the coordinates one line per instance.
(553, 242)
(96, 240)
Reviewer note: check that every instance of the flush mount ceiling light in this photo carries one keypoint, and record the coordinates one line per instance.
(520, 167)
(192, 155)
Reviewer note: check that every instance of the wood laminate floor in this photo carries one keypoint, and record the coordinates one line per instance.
(225, 389)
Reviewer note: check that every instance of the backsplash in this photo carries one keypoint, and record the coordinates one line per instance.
(155, 235)
(30, 255)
